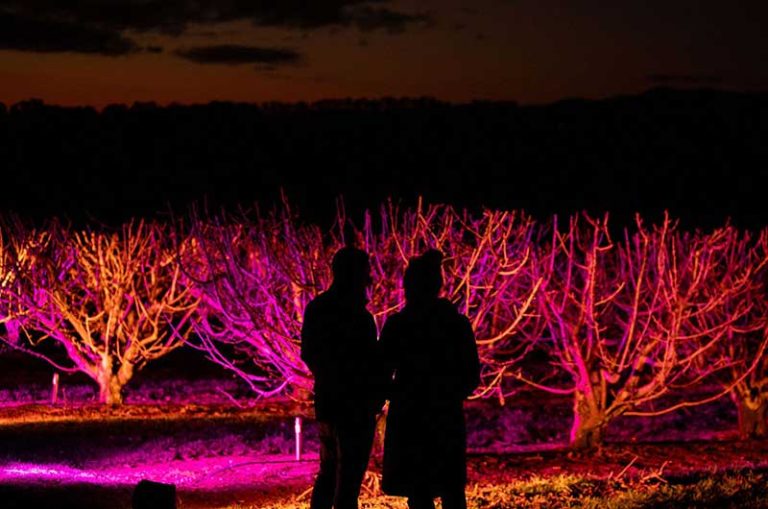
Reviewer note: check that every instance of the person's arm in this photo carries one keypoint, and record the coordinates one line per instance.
(470, 359)
(312, 339)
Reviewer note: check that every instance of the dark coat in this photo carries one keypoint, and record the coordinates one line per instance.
(431, 350)
(338, 344)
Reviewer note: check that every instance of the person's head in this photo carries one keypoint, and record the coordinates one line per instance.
(423, 277)
(351, 269)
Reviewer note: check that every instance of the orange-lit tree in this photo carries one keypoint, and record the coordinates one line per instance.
(745, 349)
(8, 271)
(18, 246)
(111, 300)
(629, 321)
(487, 273)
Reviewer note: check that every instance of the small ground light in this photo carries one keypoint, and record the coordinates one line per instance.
(297, 429)
(55, 389)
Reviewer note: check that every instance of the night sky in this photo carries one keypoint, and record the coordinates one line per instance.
(98, 52)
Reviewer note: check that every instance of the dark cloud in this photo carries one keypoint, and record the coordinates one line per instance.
(367, 18)
(25, 33)
(232, 54)
(685, 79)
(174, 16)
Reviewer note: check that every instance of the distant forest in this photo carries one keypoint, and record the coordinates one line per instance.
(701, 154)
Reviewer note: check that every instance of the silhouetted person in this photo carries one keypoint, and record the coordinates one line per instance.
(430, 348)
(338, 344)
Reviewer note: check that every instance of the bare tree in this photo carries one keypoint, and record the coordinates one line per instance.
(254, 278)
(111, 301)
(18, 247)
(8, 271)
(745, 349)
(487, 272)
(628, 322)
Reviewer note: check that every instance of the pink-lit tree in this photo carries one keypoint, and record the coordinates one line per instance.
(629, 321)
(745, 349)
(624, 324)
(254, 278)
(111, 301)
(487, 273)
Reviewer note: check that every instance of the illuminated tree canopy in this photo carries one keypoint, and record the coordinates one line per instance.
(111, 300)
(642, 320)
(633, 324)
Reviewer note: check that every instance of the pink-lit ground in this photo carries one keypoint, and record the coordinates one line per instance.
(208, 482)
(83, 455)
(225, 452)
(224, 456)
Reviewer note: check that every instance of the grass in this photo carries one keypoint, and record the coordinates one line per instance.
(744, 489)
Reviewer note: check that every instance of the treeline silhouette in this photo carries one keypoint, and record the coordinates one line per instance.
(702, 154)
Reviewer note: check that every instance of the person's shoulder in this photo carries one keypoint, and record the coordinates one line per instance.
(447, 310)
(446, 307)
(321, 301)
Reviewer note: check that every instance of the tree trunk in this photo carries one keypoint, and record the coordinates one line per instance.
(110, 390)
(588, 424)
(110, 383)
(753, 417)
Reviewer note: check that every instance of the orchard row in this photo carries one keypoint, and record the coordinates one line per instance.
(628, 321)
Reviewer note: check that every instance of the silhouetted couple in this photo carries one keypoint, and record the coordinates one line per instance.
(425, 363)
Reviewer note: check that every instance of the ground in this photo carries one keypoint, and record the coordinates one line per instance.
(224, 449)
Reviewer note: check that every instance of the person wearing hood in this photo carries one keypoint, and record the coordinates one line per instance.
(429, 353)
